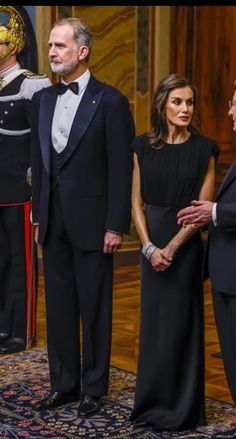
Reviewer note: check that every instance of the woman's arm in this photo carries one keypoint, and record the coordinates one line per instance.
(138, 205)
(200, 211)
(206, 193)
(208, 185)
(157, 259)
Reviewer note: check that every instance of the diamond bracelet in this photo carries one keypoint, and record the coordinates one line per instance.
(148, 249)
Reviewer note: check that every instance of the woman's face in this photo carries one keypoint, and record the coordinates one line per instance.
(179, 107)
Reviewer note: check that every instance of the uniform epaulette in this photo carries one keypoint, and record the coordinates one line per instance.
(32, 75)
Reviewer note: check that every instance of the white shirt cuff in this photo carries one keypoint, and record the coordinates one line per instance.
(214, 217)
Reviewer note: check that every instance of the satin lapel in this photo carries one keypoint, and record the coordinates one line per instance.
(84, 115)
(46, 110)
(230, 175)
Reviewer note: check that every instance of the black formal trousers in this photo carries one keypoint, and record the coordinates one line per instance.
(12, 272)
(78, 285)
(16, 273)
(225, 315)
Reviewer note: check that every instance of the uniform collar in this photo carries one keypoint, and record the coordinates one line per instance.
(9, 70)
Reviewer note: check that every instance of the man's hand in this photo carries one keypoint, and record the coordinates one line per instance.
(112, 242)
(36, 233)
(198, 214)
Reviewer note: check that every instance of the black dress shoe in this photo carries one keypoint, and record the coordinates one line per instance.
(55, 399)
(89, 405)
(12, 345)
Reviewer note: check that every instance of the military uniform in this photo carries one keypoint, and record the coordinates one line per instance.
(18, 276)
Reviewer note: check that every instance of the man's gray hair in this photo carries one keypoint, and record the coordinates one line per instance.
(82, 33)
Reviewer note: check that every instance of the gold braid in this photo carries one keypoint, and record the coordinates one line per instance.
(12, 33)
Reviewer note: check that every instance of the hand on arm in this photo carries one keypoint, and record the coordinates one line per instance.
(198, 214)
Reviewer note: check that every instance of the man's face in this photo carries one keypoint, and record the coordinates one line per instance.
(63, 51)
(232, 111)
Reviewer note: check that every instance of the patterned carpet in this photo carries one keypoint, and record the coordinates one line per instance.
(24, 379)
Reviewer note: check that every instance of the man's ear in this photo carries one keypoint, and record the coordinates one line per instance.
(83, 52)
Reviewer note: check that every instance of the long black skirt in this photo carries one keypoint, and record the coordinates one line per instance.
(170, 378)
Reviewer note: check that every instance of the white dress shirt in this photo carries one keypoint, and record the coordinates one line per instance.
(64, 113)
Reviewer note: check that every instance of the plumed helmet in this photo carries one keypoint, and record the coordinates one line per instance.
(12, 30)
(16, 31)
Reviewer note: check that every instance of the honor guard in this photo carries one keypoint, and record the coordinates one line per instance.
(18, 267)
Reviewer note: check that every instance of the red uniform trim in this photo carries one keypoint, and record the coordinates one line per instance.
(30, 277)
(14, 204)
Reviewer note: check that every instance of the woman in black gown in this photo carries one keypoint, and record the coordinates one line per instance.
(172, 166)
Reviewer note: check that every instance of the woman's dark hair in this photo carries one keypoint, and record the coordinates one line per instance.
(158, 118)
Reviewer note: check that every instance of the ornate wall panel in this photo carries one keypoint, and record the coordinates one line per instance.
(205, 51)
(113, 53)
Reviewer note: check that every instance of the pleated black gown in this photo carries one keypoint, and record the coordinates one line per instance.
(170, 378)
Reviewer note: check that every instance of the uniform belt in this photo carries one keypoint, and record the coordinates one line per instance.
(14, 132)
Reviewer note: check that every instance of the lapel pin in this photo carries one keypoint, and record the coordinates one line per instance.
(94, 102)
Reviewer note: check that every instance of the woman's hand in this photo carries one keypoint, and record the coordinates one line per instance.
(159, 260)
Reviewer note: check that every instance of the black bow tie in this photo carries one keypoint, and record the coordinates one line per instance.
(61, 87)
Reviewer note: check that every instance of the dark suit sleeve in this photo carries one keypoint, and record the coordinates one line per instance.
(120, 133)
(226, 216)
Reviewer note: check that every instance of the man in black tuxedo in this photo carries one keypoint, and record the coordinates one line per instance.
(81, 194)
(220, 258)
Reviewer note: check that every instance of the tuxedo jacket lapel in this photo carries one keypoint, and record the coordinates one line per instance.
(84, 115)
(46, 110)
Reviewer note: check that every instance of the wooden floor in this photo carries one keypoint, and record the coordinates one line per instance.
(126, 327)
